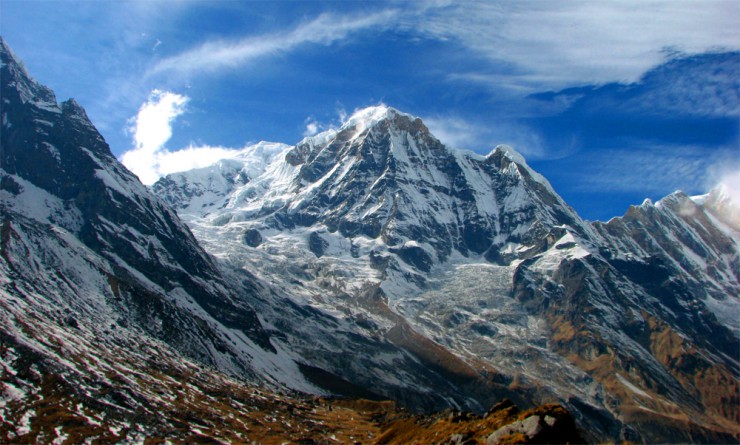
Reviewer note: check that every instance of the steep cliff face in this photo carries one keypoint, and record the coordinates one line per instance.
(94, 264)
(84, 241)
(360, 223)
(116, 326)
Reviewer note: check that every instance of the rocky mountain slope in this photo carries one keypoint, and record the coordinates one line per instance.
(99, 277)
(475, 266)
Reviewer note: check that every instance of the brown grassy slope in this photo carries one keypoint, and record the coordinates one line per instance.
(162, 400)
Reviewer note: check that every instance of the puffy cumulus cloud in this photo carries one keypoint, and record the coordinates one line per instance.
(151, 128)
(153, 124)
(190, 158)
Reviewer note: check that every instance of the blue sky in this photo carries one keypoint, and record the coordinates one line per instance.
(613, 101)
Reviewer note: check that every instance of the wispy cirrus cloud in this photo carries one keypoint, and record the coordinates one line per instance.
(315, 126)
(481, 137)
(527, 44)
(656, 170)
(455, 131)
(325, 29)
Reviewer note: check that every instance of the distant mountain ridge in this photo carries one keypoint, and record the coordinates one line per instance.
(369, 260)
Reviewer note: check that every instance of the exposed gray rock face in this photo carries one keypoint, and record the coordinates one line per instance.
(529, 427)
(386, 177)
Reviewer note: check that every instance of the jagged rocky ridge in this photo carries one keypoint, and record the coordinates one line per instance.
(380, 264)
(478, 268)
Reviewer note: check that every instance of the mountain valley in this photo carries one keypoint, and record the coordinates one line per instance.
(289, 293)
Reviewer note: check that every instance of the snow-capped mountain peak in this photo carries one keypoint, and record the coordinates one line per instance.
(366, 117)
(382, 174)
(378, 217)
(356, 124)
(509, 152)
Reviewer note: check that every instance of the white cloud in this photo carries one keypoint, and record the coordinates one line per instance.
(532, 41)
(190, 158)
(324, 29)
(656, 170)
(341, 114)
(724, 198)
(312, 127)
(481, 137)
(151, 128)
(731, 181)
(455, 132)
(726, 174)
(579, 41)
